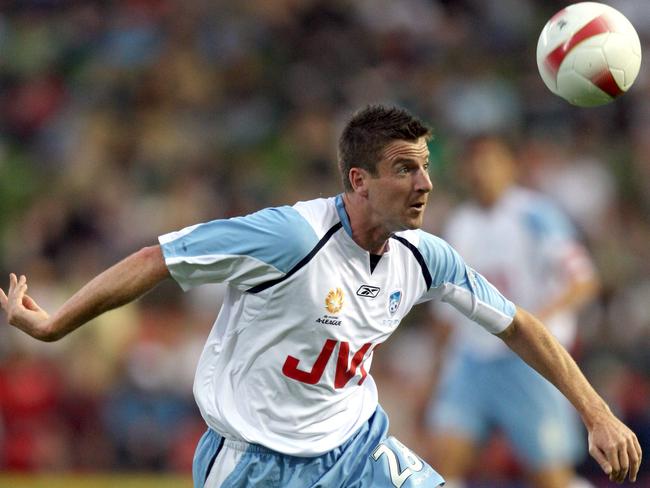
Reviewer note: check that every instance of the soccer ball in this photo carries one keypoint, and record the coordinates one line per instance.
(588, 53)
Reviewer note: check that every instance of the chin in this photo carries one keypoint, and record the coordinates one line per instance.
(412, 224)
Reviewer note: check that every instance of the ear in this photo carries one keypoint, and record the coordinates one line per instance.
(359, 180)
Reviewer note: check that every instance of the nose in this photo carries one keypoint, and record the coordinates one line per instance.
(423, 181)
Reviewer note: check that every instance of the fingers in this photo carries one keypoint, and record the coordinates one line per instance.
(601, 459)
(17, 287)
(630, 460)
(30, 304)
(635, 458)
(17, 291)
(620, 461)
(623, 466)
(5, 297)
(13, 299)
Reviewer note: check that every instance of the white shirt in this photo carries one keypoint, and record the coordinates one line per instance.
(286, 363)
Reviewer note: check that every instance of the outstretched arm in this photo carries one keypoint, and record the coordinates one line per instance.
(118, 285)
(611, 443)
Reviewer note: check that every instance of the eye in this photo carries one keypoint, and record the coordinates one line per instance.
(402, 170)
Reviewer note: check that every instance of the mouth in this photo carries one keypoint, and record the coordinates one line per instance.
(418, 205)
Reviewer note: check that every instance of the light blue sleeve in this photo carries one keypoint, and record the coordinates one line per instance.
(545, 221)
(453, 281)
(243, 251)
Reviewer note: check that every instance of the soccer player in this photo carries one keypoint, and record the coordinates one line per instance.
(523, 244)
(283, 382)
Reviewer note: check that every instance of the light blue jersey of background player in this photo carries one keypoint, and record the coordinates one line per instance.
(528, 248)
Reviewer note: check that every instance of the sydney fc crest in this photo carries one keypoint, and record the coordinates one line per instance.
(394, 300)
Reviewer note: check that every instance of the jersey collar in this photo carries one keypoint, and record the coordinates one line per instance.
(343, 215)
(345, 221)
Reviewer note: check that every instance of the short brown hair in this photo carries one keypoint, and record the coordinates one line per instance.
(369, 131)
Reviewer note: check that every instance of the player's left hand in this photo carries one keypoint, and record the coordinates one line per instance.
(616, 449)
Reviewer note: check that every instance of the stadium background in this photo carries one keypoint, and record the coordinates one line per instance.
(122, 120)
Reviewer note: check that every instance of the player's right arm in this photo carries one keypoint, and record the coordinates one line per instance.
(118, 285)
(242, 251)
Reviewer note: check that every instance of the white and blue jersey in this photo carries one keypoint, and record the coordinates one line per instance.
(286, 365)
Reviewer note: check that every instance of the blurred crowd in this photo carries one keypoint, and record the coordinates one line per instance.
(122, 120)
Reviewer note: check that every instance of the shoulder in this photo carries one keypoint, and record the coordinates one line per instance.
(540, 214)
(269, 219)
(321, 213)
(312, 217)
(422, 240)
(434, 248)
(287, 230)
(435, 254)
(274, 235)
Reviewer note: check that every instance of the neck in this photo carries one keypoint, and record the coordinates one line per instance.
(369, 235)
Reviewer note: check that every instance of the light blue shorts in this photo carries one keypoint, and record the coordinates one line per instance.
(369, 459)
(477, 396)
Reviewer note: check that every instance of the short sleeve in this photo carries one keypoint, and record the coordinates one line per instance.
(242, 251)
(454, 282)
(558, 243)
(546, 222)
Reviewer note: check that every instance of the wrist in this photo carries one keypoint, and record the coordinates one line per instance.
(47, 330)
(594, 412)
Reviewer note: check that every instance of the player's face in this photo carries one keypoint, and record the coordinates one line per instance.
(399, 192)
(490, 170)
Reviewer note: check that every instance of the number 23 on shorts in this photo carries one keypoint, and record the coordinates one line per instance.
(395, 462)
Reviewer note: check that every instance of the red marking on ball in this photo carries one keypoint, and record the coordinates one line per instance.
(599, 25)
(606, 82)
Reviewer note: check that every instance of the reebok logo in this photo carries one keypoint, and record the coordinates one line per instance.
(368, 291)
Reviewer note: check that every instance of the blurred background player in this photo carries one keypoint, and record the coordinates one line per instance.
(541, 264)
